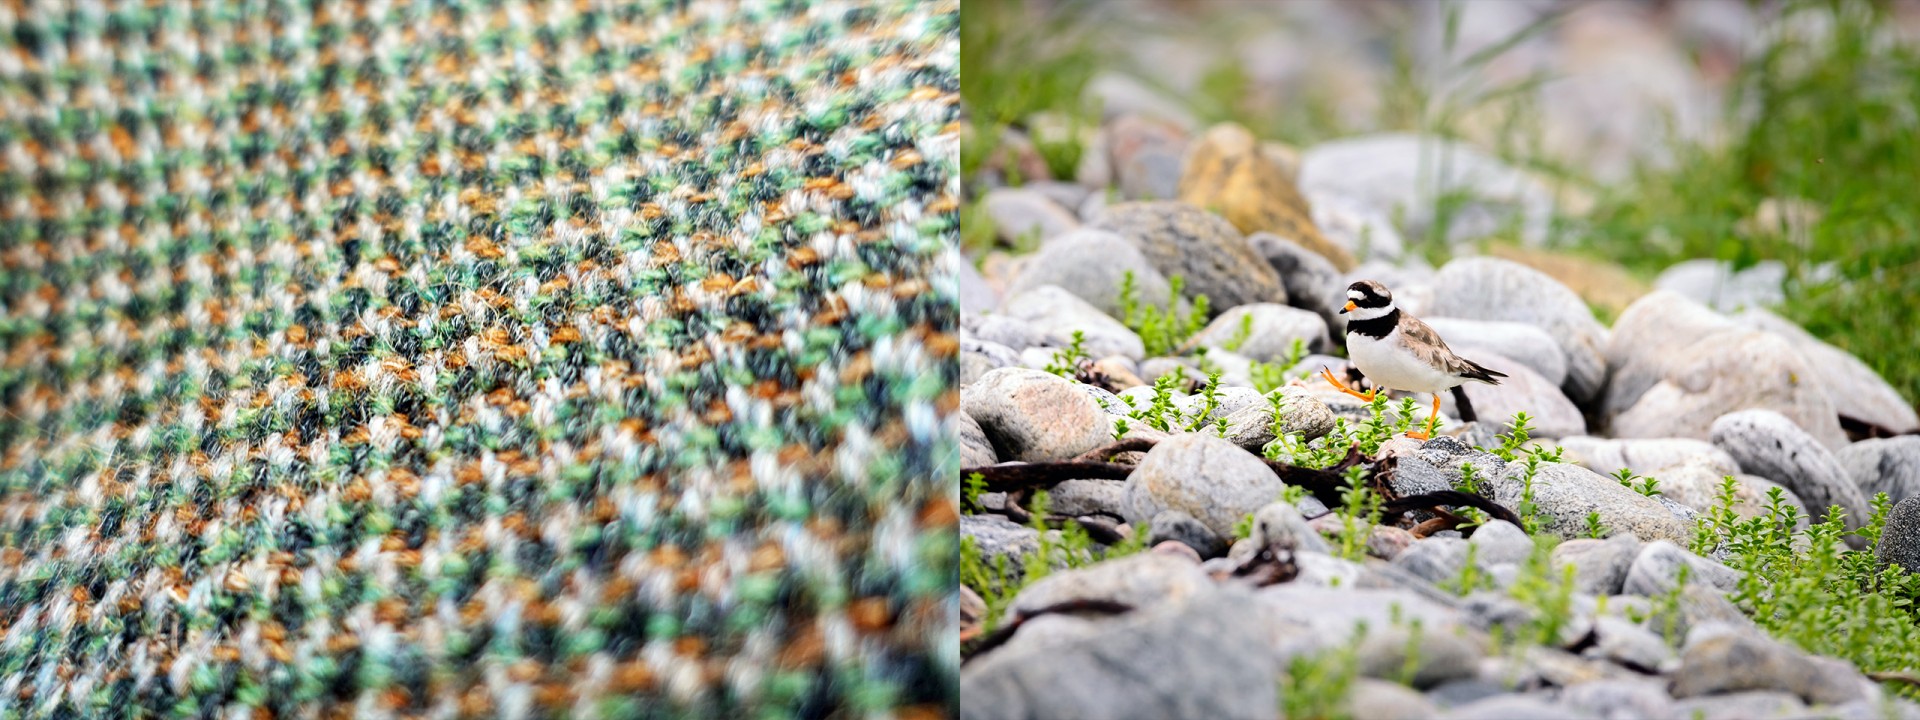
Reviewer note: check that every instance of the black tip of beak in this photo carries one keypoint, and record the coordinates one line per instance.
(1343, 311)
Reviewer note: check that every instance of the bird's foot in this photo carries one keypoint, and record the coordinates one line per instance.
(1342, 387)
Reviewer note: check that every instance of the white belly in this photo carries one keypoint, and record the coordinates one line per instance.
(1388, 365)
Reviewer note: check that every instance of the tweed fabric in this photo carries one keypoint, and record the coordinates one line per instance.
(463, 359)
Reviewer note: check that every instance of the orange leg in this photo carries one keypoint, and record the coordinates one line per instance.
(1342, 387)
(1430, 418)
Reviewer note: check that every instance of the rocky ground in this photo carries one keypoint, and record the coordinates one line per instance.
(1172, 508)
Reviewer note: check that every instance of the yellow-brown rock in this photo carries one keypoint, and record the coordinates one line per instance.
(1228, 172)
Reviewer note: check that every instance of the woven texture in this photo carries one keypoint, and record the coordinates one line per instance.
(470, 360)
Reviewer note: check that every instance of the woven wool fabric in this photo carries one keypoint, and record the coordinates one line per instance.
(450, 359)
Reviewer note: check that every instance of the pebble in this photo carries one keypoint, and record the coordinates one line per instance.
(1179, 527)
(1434, 559)
(1463, 692)
(1481, 288)
(1053, 310)
(1884, 465)
(976, 295)
(1184, 240)
(1092, 265)
(1625, 699)
(1269, 331)
(1678, 366)
(1499, 541)
(1180, 550)
(1279, 527)
(1314, 619)
(1024, 217)
(1565, 494)
(1033, 416)
(1312, 281)
(1323, 570)
(1771, 446)
(1434, 466)
(1013, 333)
(1522, 390)
(975, 450)
(1656, 570)
(1388, 542)
(996, 537)
(1209, 478)
(1146, 156)
(1747, 705)
(1087, 497)
(1437, 656)
(1696, 484)
(1524, 343)
(1203, 658)
(1721, 659)
(1600, 566)
(1855, 390)
(1643, 456)
(1630, 645)
(1138, 581)
(1515, 707)
(1900, 541)
(1382, 700)
(1300, 415)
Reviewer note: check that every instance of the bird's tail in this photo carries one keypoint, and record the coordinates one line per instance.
(1481, 373)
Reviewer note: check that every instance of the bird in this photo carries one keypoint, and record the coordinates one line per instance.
(1398, 352)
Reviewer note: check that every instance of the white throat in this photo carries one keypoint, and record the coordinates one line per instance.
(1367, 313)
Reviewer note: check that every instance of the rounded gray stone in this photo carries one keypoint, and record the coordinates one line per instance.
(1677, 367)
(1033, 416)
(1718, 659)
(1177, 526)
(1092, 264)
(1656, 570)
(1884, 465)
(1900, 541)
(975, 449)
(1771, 446)
(1023, 215)
(1645, 455)
(1492, 289)
(1213, 480)
(1499, 541)
(1207, 657)
(1312, 281)
(1060, 313)
(1272, 329)
(1205, 249)
(1565, 494)
(1137, 581)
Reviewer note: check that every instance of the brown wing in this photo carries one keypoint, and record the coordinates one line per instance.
(1427, 345)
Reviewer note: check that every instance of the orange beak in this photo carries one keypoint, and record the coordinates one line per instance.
(1349, 308)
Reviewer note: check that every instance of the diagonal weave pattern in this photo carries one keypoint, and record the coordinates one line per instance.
(460, 359)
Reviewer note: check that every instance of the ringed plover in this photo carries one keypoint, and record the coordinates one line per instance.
(1397, 351)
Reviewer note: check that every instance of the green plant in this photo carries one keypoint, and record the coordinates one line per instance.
(1270, 376)
(1209, 402)
(1162, 330)
(1241, 334)
(1066, 361)
(1318, 685)
(1359, 511)
(1595, 529)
